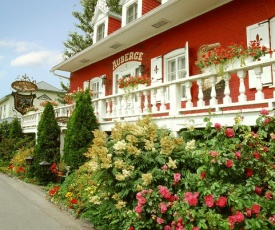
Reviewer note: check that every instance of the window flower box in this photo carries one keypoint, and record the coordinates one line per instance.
(133, 82)
(233, 55)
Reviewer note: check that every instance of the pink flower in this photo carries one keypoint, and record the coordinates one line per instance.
(248, 212)
(160, 221)
(229, 163)
(221, 202)
(164, 192)
(163, 208)
(266, 121)
(217, 126)
(139, 195)
(164, 167)
(264, 112)
(142, 201)
(203, 174)
(209, 201)
(213, 154)
(177, 178)
(195, 228)
(238, 155)
(138, 209)
(167, 227)
(192, 199)
(229, 133)
(255, 208)
(258, 190)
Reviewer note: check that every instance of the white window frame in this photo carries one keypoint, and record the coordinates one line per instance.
(96, 86)
(179, 73)
(125, 8)
(97, 25)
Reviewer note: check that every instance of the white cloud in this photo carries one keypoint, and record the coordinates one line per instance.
(38, 58)
(19, 47)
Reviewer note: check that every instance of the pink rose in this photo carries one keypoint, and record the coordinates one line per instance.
(221, 202)
(229, 163)
(177, 178)
(217, 126)
(238, 155)
(164, 167)
(255, 208)
(258, 190)
(264, 112)
(138, 209)
(160, 221)
(163, 208)
(257, 155)
(192, 199)
(209, 201)
(248, 172)
(229, 133)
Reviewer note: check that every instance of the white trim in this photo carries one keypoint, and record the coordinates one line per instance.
(104, 20)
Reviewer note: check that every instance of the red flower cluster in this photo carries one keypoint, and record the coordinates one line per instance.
(192, 199)
(210, 202)
(237, 218)
(54, 190)
(229, 133)
(20, 169)
(133, 81)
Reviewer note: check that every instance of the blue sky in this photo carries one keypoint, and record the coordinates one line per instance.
(32, 33)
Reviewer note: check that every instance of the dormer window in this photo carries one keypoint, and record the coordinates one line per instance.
(131, 14)
(131, 10)
(100, 32)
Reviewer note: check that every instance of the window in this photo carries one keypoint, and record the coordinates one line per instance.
(131, 14)
(125, 70)
(176, 67)
(96, 86)
(100, 32)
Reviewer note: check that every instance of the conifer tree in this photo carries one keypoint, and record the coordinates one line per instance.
(15, 129)
(79, 132)
(47, 147)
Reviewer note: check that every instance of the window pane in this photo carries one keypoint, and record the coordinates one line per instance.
(171, 70)
(183, 91)
(100, 32)
(181, 67)
(131, 13)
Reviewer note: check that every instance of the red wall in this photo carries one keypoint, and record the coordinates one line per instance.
(148, 5)
(225, 24)
(114, 24)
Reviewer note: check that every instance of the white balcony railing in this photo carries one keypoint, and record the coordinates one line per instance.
(165, 100)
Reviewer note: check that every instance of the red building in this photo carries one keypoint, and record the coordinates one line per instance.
(161, 40)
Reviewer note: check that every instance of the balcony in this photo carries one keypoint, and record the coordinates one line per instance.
(169, 109)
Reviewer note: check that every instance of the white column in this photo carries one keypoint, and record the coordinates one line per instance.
(242, 97)
(227, 99)
(259, 95)
(213, 100)
(200, 93)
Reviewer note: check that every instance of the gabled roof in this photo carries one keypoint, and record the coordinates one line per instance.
(162, 18)
(47, 87)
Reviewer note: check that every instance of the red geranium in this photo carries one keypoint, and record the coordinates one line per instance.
(209, 201)
(221, 202)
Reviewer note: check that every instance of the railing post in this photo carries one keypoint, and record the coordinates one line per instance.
(175, 99)
(101, 110)
(200, 93)
(242, 97)
(227, 99)
(259, 86)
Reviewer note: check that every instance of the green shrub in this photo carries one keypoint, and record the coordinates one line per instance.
(145, 178)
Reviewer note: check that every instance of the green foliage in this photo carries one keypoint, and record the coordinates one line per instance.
(47, 147)
(61, 96)
(12, 139)
(79, 41)
(79, 134)
(15, 130)
(216, 178)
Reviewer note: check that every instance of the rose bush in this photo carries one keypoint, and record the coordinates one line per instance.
(146, 178)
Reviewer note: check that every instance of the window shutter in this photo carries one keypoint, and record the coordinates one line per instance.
(272, 33)
(262, 30)
(156, 70)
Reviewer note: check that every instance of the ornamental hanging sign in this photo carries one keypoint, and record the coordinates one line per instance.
(24, 84)
(22, 102)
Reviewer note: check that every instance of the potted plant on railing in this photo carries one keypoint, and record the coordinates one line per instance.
(233, 56)
(30, 110)
(44, 103)
(133, 82)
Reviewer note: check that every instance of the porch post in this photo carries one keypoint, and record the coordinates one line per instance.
(101, 109)
(175, 99)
